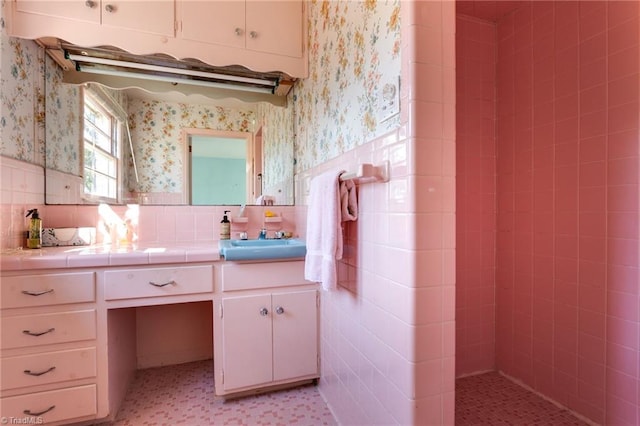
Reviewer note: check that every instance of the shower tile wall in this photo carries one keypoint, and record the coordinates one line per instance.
(567, 204)
(475, 195)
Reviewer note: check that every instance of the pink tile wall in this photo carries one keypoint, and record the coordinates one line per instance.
(430, 56)
(388, 331)
(567, 204)
(475, 195)
(21, 189)
(367, 324)
(174, 224)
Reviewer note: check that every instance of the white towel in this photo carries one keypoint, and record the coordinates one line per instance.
(324, 230)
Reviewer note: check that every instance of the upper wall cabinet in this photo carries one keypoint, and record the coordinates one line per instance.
(157, 17)
(263, 26)
(262, 35)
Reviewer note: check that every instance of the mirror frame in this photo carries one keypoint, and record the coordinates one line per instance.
(187, 133)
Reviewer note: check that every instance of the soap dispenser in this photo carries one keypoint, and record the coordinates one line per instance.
(225, 227)
(34, 234)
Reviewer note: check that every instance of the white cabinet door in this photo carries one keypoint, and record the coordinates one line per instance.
(263, 26)
(295, 335)
(149, 16)
(218, 22)
(79, 10)
(246, 341)
(275, 27)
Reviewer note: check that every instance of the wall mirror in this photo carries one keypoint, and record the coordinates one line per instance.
(233, 159)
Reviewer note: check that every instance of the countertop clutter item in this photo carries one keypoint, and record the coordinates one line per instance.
(266, 200)
(34, 233)
(225, 227)
(61, 237)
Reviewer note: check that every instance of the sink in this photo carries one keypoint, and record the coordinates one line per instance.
(262, 249)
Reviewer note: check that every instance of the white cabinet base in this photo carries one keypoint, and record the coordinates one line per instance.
(265, 329)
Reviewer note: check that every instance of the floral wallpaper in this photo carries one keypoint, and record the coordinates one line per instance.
(21, 99)
(354, 50)
(63, 114)
(278, 143)
(158, 146)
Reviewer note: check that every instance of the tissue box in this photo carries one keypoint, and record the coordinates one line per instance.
(54, 237)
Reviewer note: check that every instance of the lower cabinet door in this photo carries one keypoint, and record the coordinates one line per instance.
(295, 335)
(52, 406)
(246, 341)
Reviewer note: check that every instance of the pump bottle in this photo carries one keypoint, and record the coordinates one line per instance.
(34, 234)
(225, 227)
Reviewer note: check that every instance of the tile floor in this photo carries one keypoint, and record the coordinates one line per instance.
(492, 399)
(183, 394)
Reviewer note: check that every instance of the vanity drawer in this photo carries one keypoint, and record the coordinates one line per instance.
(48, 367)
(49, 289)
(157, 282)
(43, 329)
(248, 276)
(52, 406)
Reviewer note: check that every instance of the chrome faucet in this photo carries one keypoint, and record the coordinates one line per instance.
(263, 234)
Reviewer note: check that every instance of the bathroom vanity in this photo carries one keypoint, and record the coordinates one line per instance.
(68, 346)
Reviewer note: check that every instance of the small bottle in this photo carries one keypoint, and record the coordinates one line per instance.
(34, 234)
(225, 227)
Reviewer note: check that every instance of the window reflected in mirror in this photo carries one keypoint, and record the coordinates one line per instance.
(102, 149)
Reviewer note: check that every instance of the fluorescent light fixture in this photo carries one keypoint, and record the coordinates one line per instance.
(176, 80)
(271, 85)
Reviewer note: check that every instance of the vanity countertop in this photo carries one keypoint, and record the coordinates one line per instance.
(106, 255)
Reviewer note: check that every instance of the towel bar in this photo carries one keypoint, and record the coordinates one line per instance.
(369, 172)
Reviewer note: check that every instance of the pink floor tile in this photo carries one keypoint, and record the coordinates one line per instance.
(492, 399)
(184, 394)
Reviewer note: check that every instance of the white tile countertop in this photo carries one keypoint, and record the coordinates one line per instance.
(106, 255)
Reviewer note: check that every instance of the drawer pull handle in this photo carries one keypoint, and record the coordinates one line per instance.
(279, 310)
(38, 414)
(163, 284)
(31, 333)
(264, 312)
(37, 293)
(31, 373)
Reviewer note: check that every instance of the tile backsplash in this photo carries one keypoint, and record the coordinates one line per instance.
(22, 189)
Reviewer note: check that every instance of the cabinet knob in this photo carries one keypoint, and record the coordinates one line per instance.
(279, 310)
(253, 34)
(110, 8)
(264, 312)
(238, 31)
(90, 3)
